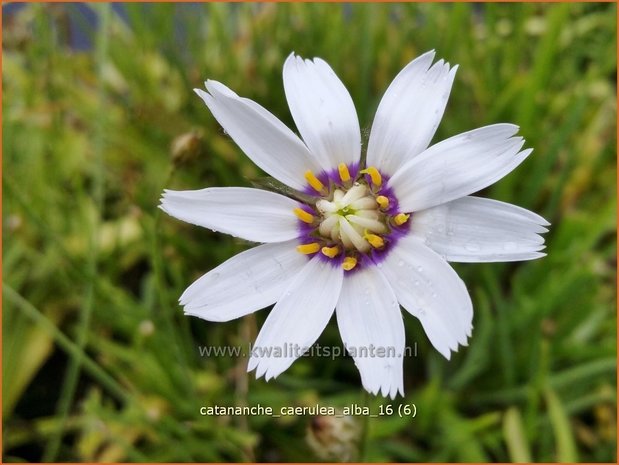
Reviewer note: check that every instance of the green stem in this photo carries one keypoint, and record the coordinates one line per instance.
(98, 192)
(365, 427)
(66, 344)
(242, 384)
(179, 344)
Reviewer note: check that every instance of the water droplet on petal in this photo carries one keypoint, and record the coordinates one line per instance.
(401, 263)
(472, 246)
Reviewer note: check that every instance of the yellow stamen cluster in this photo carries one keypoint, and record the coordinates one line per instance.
(349, 263)
(350, 217)
(382, 201)
(308, 249)
(330, 252)
(343, 171)
(375, 241)
(377, 179)
(304, 216)
(401, 218)
(314, 181)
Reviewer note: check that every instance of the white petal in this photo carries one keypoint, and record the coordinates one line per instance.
(409, 113)
(323, 111)
(369, 316)
(472, 229)
(264, 138)
(251, 214)
(327, 225)
(458, 166)
(373, 225)
(247, 282)
(356, 192)
(430, 289)
(348, 233)
(366, 203)
(297, 319)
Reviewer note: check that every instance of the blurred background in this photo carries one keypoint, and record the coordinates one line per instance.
(99, 363)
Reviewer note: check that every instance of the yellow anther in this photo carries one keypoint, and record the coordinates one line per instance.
(375, 241)
(314, 181)
(382, 201)
(401, 218)
(349, 263)
(304, 216)
(308, 249)
(377, 179)
(344, 173)
(330, 252)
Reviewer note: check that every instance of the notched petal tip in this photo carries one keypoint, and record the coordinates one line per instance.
(503, 130)
(252, 364)
(291, 61)
(271, 374)
(524, 153)
(200, 93)
(295, 59)
(460, 342)
(536, 255)
(398, 390)
(219, 90)
(164, 202)
(261, 370)
(429, 53)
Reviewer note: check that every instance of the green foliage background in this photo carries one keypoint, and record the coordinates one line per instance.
(99, 363)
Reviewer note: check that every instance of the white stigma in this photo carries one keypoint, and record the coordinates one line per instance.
(350, 216)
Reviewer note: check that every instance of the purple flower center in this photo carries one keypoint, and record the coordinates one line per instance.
(354, 220)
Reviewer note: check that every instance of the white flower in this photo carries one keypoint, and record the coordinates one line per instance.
(374, 236)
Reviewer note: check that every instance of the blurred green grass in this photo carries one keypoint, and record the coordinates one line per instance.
(99, 364)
